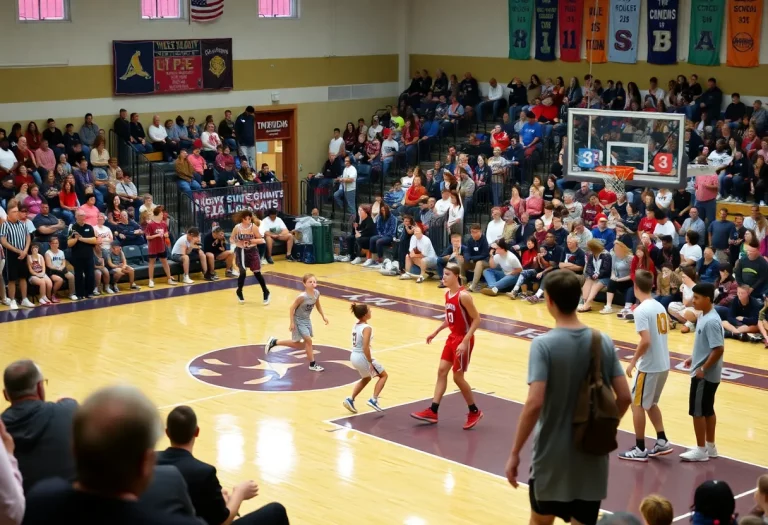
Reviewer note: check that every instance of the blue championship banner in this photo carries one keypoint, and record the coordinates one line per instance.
(153, 67)
(546, 29)
(624, 33)
(662, 31)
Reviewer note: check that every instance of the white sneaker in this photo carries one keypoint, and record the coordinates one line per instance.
(26, 303)
(368, 262)
(762, 203)
(607, 310)
(43, 300)
(694, 454)
(345, 258)
(109, 290)
(316, 368)
(13, 305)
(151, 284)
(711, 451)
(172, 281)
(690, 325)
(358, 260)
(405, 276)
(235, 273)
(729, 198)
(73, 297)
(420, 279)
(7, 301)
(96, 292)
(187, 280)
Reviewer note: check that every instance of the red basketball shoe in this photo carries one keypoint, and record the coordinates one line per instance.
(472, 419)
(426, 415)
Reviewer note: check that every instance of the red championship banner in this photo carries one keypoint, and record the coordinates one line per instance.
(744, 19)
(571, 16)
(596, 30)
(273, 125)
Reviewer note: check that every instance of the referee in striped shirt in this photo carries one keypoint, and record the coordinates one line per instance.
(16, 240)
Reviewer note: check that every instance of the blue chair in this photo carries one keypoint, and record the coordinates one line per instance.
(133, 255)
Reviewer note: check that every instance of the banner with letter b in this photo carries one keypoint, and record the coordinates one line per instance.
(706, 29)
(662, 31)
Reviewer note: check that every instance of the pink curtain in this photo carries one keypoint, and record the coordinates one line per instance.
(275, 8)
(160, 8)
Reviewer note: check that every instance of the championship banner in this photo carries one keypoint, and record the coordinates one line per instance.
(743, 40)
(596, 30)
(546, 29)
(624, 32)
(662, 31)
(706, 27)
(520, 21)
(154, 67)
(221, 203)
(571, 17)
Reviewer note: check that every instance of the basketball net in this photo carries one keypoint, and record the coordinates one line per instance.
(615, 177)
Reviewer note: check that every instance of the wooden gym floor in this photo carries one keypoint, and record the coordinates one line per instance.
(270, 419)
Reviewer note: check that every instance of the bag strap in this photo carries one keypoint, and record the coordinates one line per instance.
(596, 376)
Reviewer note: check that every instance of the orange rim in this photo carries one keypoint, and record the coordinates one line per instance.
(620, 172)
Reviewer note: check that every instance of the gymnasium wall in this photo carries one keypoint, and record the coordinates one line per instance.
(450, 38)
(63, 69)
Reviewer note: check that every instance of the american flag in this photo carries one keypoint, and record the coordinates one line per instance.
(206, 10)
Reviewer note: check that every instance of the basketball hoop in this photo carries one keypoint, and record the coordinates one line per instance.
(615, 177)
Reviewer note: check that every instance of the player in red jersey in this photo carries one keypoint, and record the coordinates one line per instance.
(462, 318)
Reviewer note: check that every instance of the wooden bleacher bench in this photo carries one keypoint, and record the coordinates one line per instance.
(155, 156)
(735, 207)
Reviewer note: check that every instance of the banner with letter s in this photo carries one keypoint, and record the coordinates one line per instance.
(571, 17)
(624, 31)
(596, 30)
(744, 20)
(706, 30)
(520, 21)
(546, 29)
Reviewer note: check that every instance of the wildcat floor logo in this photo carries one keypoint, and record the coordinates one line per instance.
(283, 370)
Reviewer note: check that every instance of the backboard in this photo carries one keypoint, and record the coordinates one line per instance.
(652, 143)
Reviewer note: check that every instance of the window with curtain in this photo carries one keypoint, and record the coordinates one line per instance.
(41, 10)
(278, 8)
(160, 9)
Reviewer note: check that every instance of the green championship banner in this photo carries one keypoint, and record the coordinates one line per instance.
(520, 23)
(706, 32)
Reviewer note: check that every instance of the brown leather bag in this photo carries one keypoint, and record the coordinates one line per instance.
(596, 416)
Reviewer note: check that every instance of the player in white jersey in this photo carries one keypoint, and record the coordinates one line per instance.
(652, 361)
(301, 323)
(361, 359)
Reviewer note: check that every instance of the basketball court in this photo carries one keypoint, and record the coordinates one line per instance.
(270, 419)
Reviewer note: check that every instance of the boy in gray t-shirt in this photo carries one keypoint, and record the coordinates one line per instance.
(565, 482)
(706, 364)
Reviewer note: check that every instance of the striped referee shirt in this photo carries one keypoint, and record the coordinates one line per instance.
(15, 234)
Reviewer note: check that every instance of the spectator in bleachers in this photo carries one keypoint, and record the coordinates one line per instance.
(349, 136)
(455, 222)
(694, 223)
(54, 137)
(347, 188)
(336, 153)
(158, 139)
(68, 202)
(210, 141)
(266, 174)
(227, 130)
(114, 434)
(273, 229)
(495, 100)
(37, 276)
(126, 190)
(722, 235)
(752, 270)
(216, 249)
(46, 159)
(33, 136)
(15, 134)
(386, 226)
(597, 273)
(518, 98)
(41, 430)
(113, 208)
(121, 126)
(226, 171)
(621, 278)
(47, 226)
(89, 131)
(179, 134)
(56, 267)
(656, 510)
(86, 180)
(137, 135)
(213, 504)
(89, 209)
(602, 232)
(421, 254)
(742, 319)
(71, 140)
(683, 311)
(104, 233)
(33, 201)
(114, 172)
(26, 158)
(128, 232)
(469, 92)
(187, 175)
(503, 271)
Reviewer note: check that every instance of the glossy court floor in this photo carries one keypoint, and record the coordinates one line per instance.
(270, 419)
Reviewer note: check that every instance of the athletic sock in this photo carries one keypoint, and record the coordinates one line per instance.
(311, 363)
(710, 444)
(540, 293)
(640, 444)
(435, 406)
(263, 284)
(473, 408)
(661, 436)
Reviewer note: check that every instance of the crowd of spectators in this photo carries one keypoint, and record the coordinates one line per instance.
(96, 462)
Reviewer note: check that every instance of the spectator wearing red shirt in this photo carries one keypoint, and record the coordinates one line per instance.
(156, 232)
(68, 202)
(751, 143)
(412, 196)
(590, 211)
(33, 136)
(26, 157)
(499, 138)
(411, 141)
(22, 177)
(648, 223)
(606, 197)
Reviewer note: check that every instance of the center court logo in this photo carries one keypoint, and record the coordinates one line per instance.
(283, 370)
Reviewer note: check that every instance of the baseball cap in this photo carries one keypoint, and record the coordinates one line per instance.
(601, 217)
(198, 144)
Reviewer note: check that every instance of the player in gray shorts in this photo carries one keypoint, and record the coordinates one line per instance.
(301, 323)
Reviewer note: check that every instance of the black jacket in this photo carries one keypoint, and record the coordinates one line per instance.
(202, 484)
(122, 128)
(42, 434)
(244, 129)
(518, 95)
